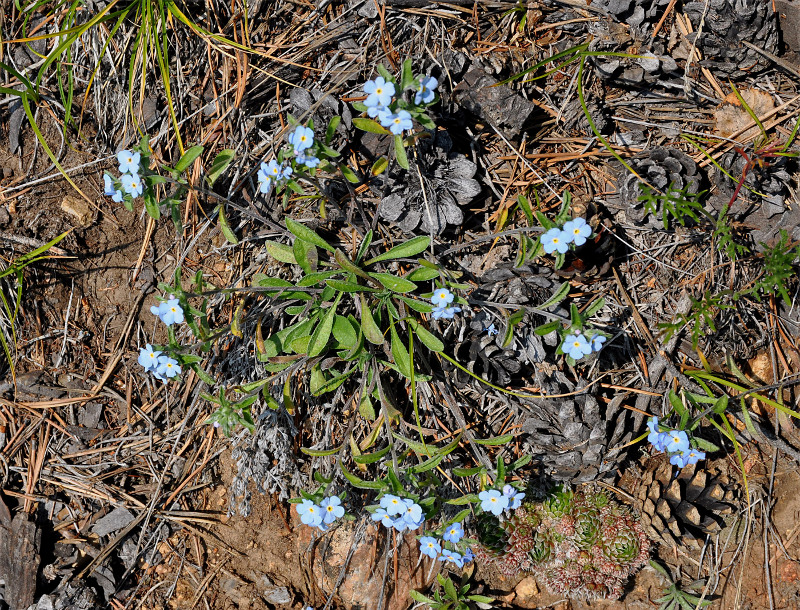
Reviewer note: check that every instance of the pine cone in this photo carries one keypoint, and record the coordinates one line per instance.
(680, 511)
(573, 437)
(727, 23)
(433, 204)
(664, 168)
(639, 14)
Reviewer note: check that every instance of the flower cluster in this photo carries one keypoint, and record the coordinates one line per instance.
(441, 300)
(299, 156)
(674, 442)
(399, 513)
(577, 346)
(391, 113)
(321, 515)
(129, 182)
(492, 501)
(159, 364)
(436, 549)
(559, 240)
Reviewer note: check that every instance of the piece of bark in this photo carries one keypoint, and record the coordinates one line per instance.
(20, 541)
(499, 104)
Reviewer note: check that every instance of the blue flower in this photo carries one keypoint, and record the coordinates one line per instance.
(148, 357)
(469, 556)
(379, 92)
(426, 91)
(678, 459)
(374, 111)
(309, 161)
(429, 546)
(454, 533)
(693, 456)
(382, 516)
(264, 185)
(331, 509)
(442, 297)
(493, 501)
(168, 367)
(169, 311)
(302, 138)
(112, 191)
(445, 312)
(310, 513)
(393, 505)
(128, 161)
(412, 513)
(656, 438)
(677, 441)
(397, 123)
(597, 342)
(400, 524)
(322, 526)
(491, 330)
(286, 172)
(131, 184)
(577, 231)
(576, 346)
(555, 240)
(514, 497)
(269, 170)
(453, 557)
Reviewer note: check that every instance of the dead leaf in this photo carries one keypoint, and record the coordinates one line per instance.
(731, 116)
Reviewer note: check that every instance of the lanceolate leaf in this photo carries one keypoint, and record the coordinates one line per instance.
(394, 283)
(306, 234)
(405, 250)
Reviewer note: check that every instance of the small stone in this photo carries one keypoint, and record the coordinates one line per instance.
(649, 62)
(79, 209)
(527, 593)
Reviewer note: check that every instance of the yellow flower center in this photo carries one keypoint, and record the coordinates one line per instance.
(379, 90)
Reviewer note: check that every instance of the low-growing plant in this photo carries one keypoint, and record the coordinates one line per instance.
(677, 596)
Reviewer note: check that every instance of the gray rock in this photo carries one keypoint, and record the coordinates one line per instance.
(113, 521)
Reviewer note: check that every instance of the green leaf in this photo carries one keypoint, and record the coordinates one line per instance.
(495, 440)
(467, 499)
(360, 483)
(525, 206)
(379, 166)
(394, 283)
(372, 333)
(416, 304)
(387, 76)
(331, 129)
(513, 320)
(306, 256)
(406, 76)
(468, 472)
(364, 245)
(546, 329)
(151, 205)
(370, 125)
(344, 332)
(225, 227)
(559, 296)
(320, 452)
(313, 279)
(349, 286)
(188, 158)
(450, 589)
(370, 458)
(430, 341)
(422, 274)
(348, 265)
(219, 165)
(520, 462)
(333, 383)
(400, 354)
(323, 332)
(419, 597)
(280, 252)
(594, 308)
(365, 408)
(405, 250)
(427, 465)
(400, 152)
(349, 174)
(481, 599)
(306, 234)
